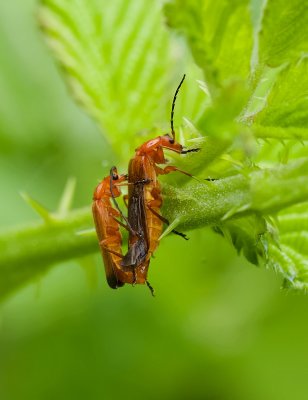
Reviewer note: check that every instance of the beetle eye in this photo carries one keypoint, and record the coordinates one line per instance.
(171, 140)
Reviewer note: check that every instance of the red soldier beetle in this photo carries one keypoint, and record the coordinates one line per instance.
(145, 200)
(108, 232)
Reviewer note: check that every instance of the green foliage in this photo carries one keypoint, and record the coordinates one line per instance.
(219, 35)
(283, 35)
(291, 254)
(249, 117)
(26, 253)
(277, 108)
(114, 68)
(247, 235)
(287, 102)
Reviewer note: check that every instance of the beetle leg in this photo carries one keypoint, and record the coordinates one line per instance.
(113, 252)
(157, 202)
(134, 277)
(125, 199)
(143, 181)
(115, 212)
(120, 184)
(165, 220)
(104, 243)
(190, 151)
(151, 288)
(170, 168)
(157, 199)
(183, 235)
(123, 225)
(128, 226)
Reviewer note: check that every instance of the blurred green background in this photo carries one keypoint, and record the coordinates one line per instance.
(219, 328)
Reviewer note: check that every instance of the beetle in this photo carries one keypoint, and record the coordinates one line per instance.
(144, 195)
(108, 231)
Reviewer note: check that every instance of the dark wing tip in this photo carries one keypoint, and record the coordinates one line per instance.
(114, 282)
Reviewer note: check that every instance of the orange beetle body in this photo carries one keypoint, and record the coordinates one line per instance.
(143, 198)
(144, 221)
(144, 195)
(108, 232)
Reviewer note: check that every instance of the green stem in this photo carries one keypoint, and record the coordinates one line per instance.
(263, 191)
(28, 251)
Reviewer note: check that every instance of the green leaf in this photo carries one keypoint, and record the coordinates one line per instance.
(284, 35)
(287, 103)
(220, 119)
(219, 34)
(290, 256)
(261, 84)
(248, 236)
(279, 133)
(117, 61)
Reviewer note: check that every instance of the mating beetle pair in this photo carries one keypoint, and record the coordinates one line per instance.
(144, 221)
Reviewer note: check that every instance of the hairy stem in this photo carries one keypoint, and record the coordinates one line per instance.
(28, 251)
(263, 191)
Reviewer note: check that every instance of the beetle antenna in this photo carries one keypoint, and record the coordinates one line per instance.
(173, 105)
